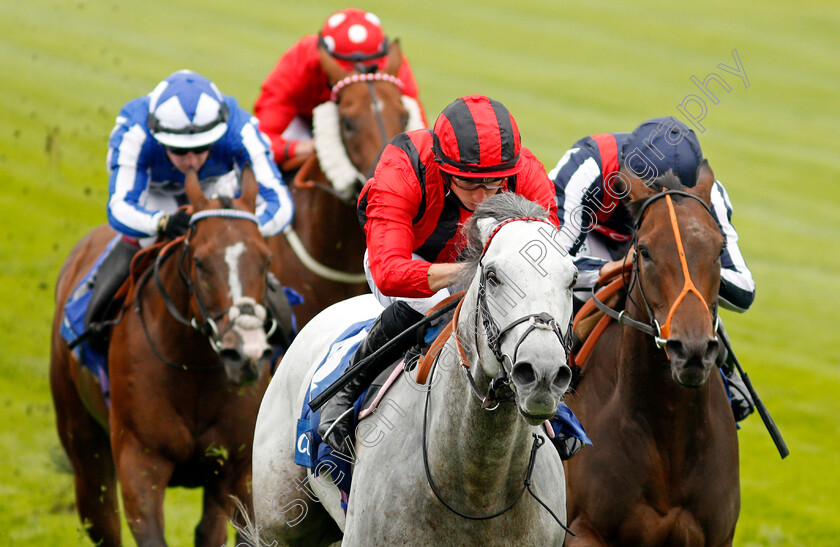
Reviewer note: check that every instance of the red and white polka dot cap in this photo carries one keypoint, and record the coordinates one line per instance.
(355, 36)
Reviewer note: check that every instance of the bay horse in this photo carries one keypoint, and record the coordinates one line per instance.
(663, 467)
(188, 368)
(456, 457)
(320, 254)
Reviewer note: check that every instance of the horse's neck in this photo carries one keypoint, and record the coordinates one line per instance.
(477, 454)
(331, 229)
(176, 291)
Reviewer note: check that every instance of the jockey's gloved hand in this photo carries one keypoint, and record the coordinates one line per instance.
(174, 225)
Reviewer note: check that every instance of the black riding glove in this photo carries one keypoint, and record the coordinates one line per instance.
(174, 225)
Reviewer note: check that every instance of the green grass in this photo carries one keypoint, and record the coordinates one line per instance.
(564, 70)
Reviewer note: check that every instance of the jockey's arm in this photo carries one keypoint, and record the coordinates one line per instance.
(441, 276)
(737, 287)
(575, 177)
(274, 204)
(128, 148)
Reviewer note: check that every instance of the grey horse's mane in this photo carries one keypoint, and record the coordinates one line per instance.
(500, 207)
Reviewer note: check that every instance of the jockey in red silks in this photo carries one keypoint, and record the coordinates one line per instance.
(298, 83)
(427, 183)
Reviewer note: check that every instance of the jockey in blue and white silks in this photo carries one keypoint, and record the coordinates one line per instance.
(145, 183)
(596, 226)
(185, 124)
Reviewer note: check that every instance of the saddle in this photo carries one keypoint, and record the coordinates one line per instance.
(589, 322)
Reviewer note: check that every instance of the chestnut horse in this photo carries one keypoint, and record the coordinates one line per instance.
(188, 368)
(320, 254)
(663, 467)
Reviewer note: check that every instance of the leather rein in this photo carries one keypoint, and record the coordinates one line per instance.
(660, 333)
(207, 327)
(500, 389)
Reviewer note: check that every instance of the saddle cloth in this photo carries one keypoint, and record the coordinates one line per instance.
(310, 450)
(73, 325)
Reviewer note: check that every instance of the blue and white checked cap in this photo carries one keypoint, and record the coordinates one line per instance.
(187, 111)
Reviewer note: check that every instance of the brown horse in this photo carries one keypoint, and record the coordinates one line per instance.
(663, 467)
(187, 366)
(320, 255)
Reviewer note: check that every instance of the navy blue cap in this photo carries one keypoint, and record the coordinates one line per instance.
(660, 144)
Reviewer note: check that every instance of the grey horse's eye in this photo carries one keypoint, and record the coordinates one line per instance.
(492, 278)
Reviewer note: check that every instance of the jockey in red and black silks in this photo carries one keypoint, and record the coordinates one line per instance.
(596, 226)
(408, 206)
(298, 84)
(426, 184)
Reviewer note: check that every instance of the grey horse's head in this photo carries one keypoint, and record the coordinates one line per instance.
(520, 280)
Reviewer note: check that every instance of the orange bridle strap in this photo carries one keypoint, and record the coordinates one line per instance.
(688, 287)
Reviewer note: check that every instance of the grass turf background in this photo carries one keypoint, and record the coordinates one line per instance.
(564, 70)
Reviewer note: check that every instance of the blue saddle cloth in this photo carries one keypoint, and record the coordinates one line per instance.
(313, 453)
(73, 324)
(310, 450)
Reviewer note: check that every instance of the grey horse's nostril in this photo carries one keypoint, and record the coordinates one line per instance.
(523, 374)
(563, 378)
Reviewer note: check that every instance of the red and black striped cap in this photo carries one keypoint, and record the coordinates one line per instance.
(476, 136)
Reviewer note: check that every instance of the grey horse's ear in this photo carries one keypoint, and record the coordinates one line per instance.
(485, 226)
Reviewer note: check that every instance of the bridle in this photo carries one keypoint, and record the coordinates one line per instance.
(369, 79)
(500, 389)
(245, 312)
(660, 333)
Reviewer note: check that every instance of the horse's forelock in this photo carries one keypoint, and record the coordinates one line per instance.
(226, 202)
(667, 181)
(500, 207)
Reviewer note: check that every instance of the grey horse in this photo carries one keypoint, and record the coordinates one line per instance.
(439, 457)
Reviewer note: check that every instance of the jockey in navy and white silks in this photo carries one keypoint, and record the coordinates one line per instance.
(596, 226)
(187, 112)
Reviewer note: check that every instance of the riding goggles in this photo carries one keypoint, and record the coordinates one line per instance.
(483, 183)
(184, 151)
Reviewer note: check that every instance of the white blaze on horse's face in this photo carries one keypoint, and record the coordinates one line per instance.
(232, 255)
(527, 274)
(246, 314)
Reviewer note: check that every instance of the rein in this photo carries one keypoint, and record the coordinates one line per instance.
(245, 308)
(316, 267)
(661, 333)
(501, 382)
(539, 440)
